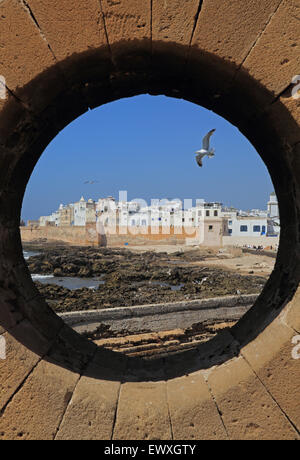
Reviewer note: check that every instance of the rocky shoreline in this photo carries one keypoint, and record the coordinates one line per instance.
(132, 278)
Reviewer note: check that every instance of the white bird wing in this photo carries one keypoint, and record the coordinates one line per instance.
(206, 139)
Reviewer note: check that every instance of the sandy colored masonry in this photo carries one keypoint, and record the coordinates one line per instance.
(117, 236)
(88, 236)
(62, 58)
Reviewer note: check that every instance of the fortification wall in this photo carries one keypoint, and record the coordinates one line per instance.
(161, 317)
(87, 236)
(137, 236)
(81, 236)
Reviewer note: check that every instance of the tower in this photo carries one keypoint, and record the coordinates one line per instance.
(273, 210)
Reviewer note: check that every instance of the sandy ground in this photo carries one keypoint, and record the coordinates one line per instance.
(228, 258)
(170, 249)
(245, 264)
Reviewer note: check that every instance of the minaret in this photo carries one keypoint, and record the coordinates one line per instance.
(273, 210)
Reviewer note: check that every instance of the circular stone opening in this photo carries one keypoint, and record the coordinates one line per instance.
(198, 289)
(43, 108)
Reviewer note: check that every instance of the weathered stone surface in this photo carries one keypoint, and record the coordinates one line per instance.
(15, 368)
(275, 59)
(277, 112)
(10, 314)
(70, 27)
(248, 411)
(273, 362)
(173, 21)
(32, 337)
(182, 363)
(291, 315)
(143, 412)
(193, 412)
(229, 30)
(71, 351)
(11, 111)
(106, 359)
(127, 19)
(140, 370)
(226, 31)
(128, 24)
(35, 412)
(25, 55)
(91, 412)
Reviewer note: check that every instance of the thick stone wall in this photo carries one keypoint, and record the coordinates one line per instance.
(62, 58)
(82, 236)
(78, 236)
(87, 236)
(161, 317)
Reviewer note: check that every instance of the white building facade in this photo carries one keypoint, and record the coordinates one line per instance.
(107, 212)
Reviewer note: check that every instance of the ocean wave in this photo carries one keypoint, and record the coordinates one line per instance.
(28, 254)
(41, 277)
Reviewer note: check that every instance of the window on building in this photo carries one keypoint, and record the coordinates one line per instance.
(216, 213)
(263, 230)
(230, 231)
(256, 228)
(230, 222)
(207, 213)
(244, 228)
(210, 228)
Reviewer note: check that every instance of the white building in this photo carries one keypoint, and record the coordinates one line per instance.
(84, 212)
(53, 219)
(247, 226)
(253, 223)
(80, 213)
(164, 213)
(106, 205)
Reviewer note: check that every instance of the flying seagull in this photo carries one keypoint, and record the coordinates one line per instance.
(206, 150)
(91, 182)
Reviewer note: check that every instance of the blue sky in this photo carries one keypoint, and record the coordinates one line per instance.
(146, 145)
